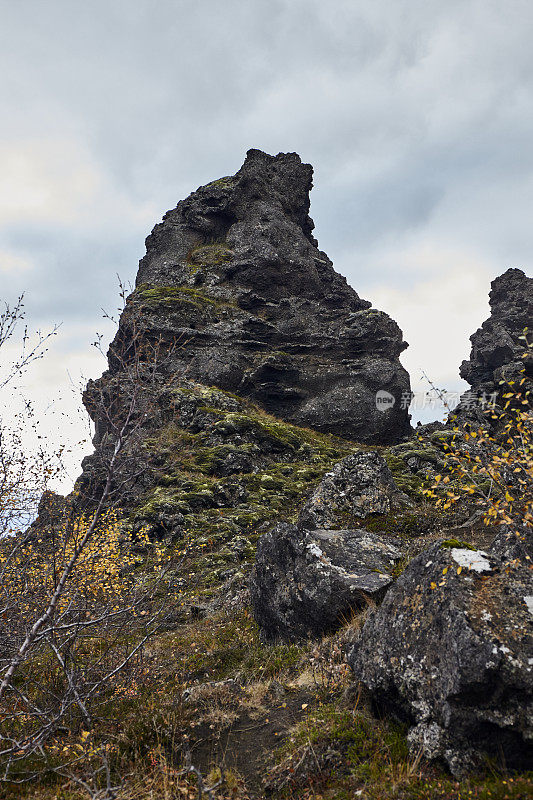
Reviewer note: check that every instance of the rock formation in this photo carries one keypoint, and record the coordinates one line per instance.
(234, 281)
(497, 349)
(359, 485)
(450, 652)
(243, 381)
(307, 583)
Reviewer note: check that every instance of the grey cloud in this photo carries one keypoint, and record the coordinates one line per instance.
(75, 275)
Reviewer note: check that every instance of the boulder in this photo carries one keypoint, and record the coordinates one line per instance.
(306, 583)
(359, 485)
(450, 652)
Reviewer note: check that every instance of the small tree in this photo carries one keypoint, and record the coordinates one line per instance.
(493, 464)
(78, 597)
(23, 477)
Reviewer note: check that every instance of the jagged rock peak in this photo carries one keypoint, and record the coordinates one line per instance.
(258, 216)
(234, 273)
(497, 348)
(497, 342)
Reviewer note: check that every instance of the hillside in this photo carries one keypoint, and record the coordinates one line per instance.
(292, 593)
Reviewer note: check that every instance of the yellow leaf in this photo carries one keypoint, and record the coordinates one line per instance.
(433, 585)
(459, 570)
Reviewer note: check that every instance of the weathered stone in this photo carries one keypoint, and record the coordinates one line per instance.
(450, 651)
(305, 583)
(359, 485)
(234, 282)
(497, 349)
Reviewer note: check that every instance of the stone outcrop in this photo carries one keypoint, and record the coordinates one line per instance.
(359, 485)
(219, 468)
(235, 291)
(244, 376)
(497, 349)
(307, 583)
(450, 652)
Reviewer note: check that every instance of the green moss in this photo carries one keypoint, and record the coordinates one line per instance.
(429, 455)
(405, 480)
(408, 524)
(170, 296)
(457, 543)
(442, 437)
(366, 747)
(276, 432)
(227, 182)
(284, 465)
(210, 255)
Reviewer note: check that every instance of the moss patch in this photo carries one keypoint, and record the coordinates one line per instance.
(227, 182)
(457, 543)
(174, 296)
(210, 255)
(405, 479)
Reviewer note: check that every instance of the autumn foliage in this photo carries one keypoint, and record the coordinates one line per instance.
(493, 464)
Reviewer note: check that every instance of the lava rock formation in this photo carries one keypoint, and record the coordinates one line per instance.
(497, 350)
(233, 280)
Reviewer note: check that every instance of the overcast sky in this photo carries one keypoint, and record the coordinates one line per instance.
(417, 117)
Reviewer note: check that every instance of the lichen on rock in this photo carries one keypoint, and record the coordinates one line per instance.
(450, 652)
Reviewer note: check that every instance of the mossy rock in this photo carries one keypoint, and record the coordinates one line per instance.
(227, 182)
(213, 510)
(406, 480)
(457, 544)
(176, 298)
(442, 437)
(210, 255)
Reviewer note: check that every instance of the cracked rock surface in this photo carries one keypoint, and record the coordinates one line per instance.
(305, 583)
(450, 652)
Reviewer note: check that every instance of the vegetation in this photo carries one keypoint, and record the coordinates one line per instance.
(493, 464)
(131, 667)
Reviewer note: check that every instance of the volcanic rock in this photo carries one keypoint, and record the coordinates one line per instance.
(234, 290)
(497, 349)
(450, 652)
(359, 485)
(306, 583)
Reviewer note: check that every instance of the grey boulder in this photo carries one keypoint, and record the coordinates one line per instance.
(306, 583)
(359, 485)
(450, 652)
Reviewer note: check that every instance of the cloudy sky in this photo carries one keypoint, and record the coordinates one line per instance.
(417, 117)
